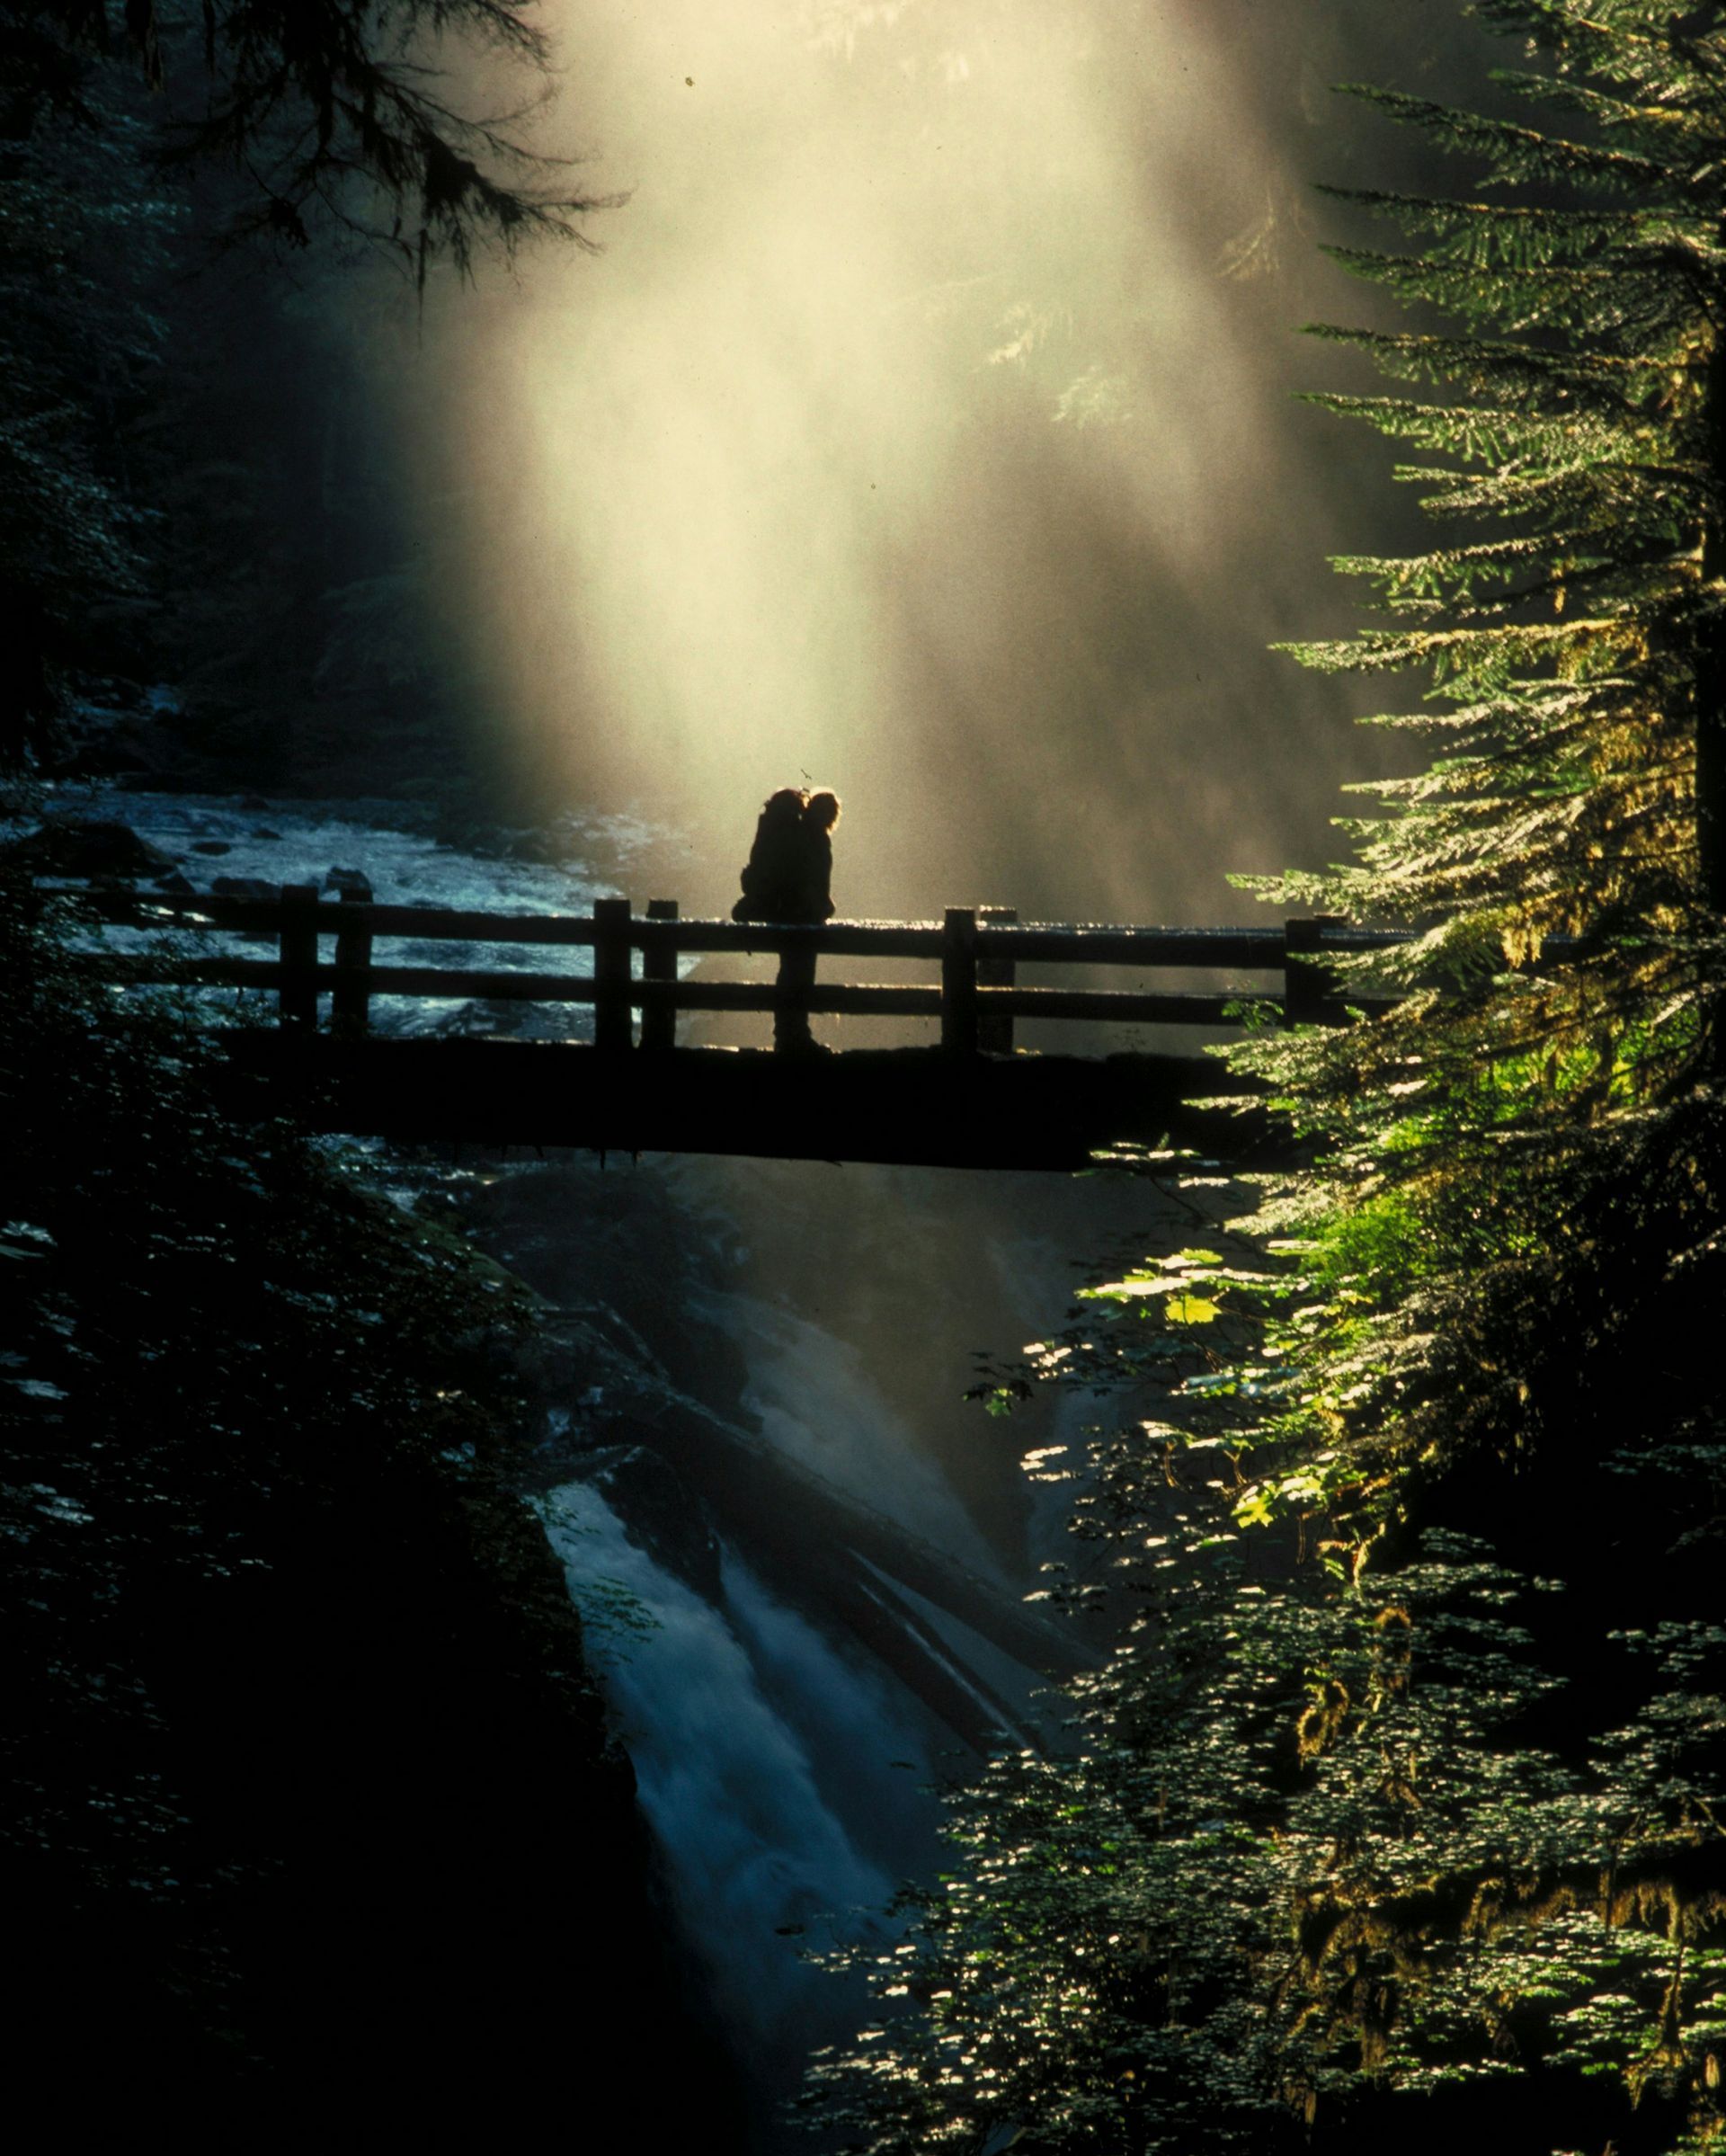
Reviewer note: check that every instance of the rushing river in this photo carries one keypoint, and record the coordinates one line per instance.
(846, 1630)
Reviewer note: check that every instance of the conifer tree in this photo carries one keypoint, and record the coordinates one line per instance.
(1566, 421)
(136, 142)
(332, 112)
(1380, 1833)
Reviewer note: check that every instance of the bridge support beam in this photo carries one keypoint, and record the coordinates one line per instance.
(919, 1107)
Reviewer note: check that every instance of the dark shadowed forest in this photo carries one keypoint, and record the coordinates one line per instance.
(1223, 1651)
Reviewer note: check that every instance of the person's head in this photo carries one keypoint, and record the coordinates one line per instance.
(821, 810)
(785, 806)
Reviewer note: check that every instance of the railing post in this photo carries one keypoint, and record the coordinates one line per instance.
(296, 993)
(351, 999)
(959, 982)
(1307, 980)
(612, 1027)
(659, 963)
(995, 1029)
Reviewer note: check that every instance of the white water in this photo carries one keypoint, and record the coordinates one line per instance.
(305, 841)
(737, 1718)
(300, 842)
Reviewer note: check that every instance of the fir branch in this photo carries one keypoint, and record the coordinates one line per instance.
(1595, 298)
(1492, 433)
(1515, 154)
(1662, 130)
(1510, 234)
(1641, 50)
(1511, 373)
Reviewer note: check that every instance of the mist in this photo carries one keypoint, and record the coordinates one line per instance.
(926, 429)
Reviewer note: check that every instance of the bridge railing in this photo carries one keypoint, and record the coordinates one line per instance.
(978, 951)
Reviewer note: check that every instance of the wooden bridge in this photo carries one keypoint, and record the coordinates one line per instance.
(975, 1100)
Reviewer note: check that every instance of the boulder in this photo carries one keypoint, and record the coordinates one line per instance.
(661, 1513)
(79, 846)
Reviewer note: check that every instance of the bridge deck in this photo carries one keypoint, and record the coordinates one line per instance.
(917, 1107)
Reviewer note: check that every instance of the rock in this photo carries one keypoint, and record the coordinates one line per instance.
(78, 846)
(263, 832)
(211, 846)
(174, 885)
(661, 1513)
(349, 883)
(252, 802)
(111, 732)
(245, 887)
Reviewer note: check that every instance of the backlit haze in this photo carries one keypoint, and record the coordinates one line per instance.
(925, 429)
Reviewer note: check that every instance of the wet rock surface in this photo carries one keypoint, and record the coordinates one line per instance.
(664, 1514)
(87, 846)
(597, 1243)
(613, 1400)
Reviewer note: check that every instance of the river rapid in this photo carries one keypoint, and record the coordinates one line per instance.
(800, 1556)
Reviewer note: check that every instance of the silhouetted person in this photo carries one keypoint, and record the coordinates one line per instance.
(775, 876)
(820, 814)
(787, 878)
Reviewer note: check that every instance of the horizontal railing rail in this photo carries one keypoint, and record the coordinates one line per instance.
(1083, 944)
(978, 949)
(875, 1000)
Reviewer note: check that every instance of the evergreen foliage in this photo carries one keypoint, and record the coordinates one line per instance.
(334, 113)
(1397, 1816)
(85, 238)
(196, 482)
(1560, 858)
